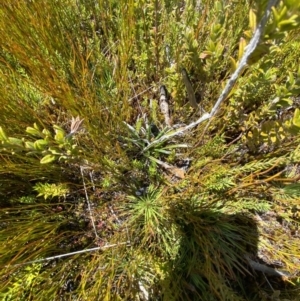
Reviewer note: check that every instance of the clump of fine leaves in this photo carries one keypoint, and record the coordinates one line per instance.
(111, 204)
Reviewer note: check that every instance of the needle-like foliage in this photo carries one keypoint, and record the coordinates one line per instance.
(122, 178)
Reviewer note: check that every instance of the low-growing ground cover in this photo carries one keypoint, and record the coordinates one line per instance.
(149, 150)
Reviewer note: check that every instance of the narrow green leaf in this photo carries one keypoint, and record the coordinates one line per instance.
(29, 145)
(296, 118)
(15, 141)
(33, 131)
(40, 144)
(252, 20)
(48, 159)
(3, 136)
(60, 134)
(54, 151)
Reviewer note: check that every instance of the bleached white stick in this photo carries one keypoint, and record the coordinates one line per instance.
(231, 82)
(243, 63)
(73, 253)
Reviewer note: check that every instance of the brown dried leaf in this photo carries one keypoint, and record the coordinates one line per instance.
(178, 172)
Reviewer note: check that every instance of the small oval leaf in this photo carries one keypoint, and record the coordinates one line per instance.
(40, 144)
(48, 159)
(29, 145)
(33, 131)
(15, 141)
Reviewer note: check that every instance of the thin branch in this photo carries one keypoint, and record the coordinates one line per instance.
(243, 63)
(135, 96)
(133, 89)
(92, 180)
(164, 105)
(249, 50)
(269, 283)
(144, 91)
(72, 253)
(265, 269)
(231, 82)
(178, 172)
(119, 222)
(88, 202)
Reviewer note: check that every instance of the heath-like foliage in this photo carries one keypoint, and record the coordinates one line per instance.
(178, 179)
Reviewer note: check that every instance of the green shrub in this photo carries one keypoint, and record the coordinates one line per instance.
(140, 197)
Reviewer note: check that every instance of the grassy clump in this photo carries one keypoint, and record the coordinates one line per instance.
(84, 166)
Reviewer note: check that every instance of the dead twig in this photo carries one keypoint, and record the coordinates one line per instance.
(265, 269)
(88, 202)
(73, 253)
(164, 105)
(230, 84)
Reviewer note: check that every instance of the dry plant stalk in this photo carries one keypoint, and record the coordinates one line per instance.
(265, 269)
(74, 253)
(164, 105)
(177, 172)
(254, 42)
(88, 202)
